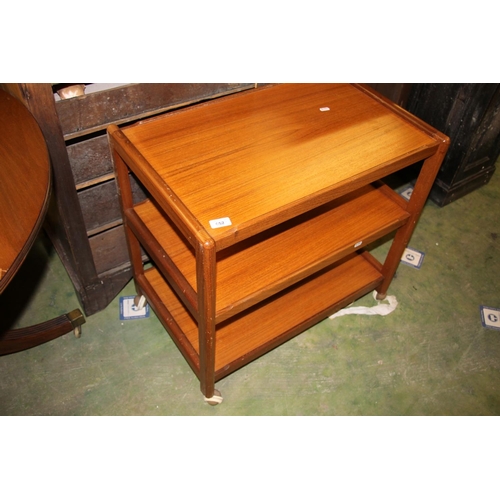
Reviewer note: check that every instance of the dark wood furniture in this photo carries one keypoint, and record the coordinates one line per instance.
(469, 113)
(84, 221)
(258, 210)
(396, 92)
(25, 186)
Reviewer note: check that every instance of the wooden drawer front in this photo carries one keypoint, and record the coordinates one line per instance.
(90, 159)
(95, 111)
(109, 249)
(100, 205)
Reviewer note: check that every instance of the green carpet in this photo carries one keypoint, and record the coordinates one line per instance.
(431, 356)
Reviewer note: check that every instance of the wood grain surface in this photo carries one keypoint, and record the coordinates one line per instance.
(24, 184)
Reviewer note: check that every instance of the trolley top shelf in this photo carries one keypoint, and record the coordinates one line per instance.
(243, 163)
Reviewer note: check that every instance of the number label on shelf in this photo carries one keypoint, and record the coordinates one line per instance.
(222, 222)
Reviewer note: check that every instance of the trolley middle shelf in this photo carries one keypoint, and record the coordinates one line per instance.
(258, 267)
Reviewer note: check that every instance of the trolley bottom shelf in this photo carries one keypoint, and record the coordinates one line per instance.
(261, 328)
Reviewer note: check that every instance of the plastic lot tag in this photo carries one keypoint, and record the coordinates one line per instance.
(490, 317)
(128, 310)
(406, 193)
(412, 258)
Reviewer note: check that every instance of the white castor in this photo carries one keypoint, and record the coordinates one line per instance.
(216, 399)
(77, 332)
(140, 301)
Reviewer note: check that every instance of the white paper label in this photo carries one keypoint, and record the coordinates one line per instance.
(222, 222)
(326, 108)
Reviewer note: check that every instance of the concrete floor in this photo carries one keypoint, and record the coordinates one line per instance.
(431, 356)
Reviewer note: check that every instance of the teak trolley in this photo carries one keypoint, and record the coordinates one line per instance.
(260, 206)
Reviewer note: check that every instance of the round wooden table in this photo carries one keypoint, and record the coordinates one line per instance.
(25, 188)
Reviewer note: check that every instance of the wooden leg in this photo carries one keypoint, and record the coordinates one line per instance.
(205, 276)
(31, 336)
(417, 201)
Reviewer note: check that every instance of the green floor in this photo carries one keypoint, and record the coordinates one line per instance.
(431, 356)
